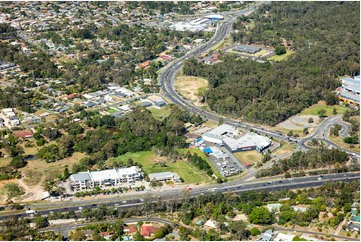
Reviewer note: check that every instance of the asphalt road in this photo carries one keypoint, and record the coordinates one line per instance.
(167, 83)
(176, 194)
(343, 238)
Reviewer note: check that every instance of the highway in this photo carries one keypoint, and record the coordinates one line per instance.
(178, 194)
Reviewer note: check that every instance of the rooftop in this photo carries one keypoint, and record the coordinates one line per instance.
(163, 175)
(247, 48)
(247, 140)
(220, 130)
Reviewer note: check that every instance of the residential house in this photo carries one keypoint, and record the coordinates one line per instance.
(268, 235)
(147, 230)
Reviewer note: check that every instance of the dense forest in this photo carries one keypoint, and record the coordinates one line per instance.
(326, 46)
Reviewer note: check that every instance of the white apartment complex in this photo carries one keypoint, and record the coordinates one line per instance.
(111, 177)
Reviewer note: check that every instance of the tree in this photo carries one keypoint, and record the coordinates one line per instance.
(66, 173)
(310, 120)
(347, 207)
(255, 231)
(351, 140)
(334, 111)
(280, 50)
(305, 131)
(77, 235)
(321, 113)
(41, 222)
(331, 98)
(261, 215)
(18, 162)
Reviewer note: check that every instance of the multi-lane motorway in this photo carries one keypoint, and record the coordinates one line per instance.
(176, 194)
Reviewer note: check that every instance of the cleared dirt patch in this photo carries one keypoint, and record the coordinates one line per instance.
(190, 86)
(249, 157)
(299, 122)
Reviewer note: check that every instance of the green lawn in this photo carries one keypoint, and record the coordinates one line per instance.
(112, 110)
(149, 161)
(313, 110)
(160, 113)
(200, 153)
(281, 57)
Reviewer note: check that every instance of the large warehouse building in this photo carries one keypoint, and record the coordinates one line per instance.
(349, 92)
(217, 135)
(227, 135)
(111, 177)
(249, 141)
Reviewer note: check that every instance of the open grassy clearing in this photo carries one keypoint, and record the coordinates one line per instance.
(249, 157)
(112, 110)
(313, 110)
(281, 57)
(284, 149)
(339, 141)
(151, 164)
(200, 153)
(160, 113)
(190, 86)
(4, 161)
(51, 170)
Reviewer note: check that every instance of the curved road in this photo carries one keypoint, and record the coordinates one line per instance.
(167, 83)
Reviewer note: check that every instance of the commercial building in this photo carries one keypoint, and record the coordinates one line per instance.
(349, 92)
(164, 176)
(214, 17)
(111, 177)
(217, 135)
(247, 49)
(227, 135)
(249, 141)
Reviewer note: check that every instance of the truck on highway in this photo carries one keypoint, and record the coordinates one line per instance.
(29, 212)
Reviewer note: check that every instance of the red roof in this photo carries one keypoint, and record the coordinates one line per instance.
(24, 134)
(144, 64)
(146, 231)
(166, 57)
(106, 233)
(132, 229)
(70, 96)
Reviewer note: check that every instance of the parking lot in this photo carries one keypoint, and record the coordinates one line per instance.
(226, 163)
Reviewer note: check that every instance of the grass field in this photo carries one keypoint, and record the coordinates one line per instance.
(189, 87)
(112, 110)
(150, 163)
(160, 113)
(281, 57)
(313, 110)
(339, 141)
(200, 153)
(249, 157)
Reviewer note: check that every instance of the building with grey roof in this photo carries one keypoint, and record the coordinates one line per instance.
(349, 92)
(217, 135)
(249, 141)
(145, 104)
(247, 49)
(164, 176)
(110, 177)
